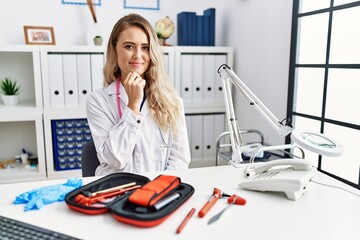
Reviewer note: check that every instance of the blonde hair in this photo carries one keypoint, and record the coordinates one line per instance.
(163, 100)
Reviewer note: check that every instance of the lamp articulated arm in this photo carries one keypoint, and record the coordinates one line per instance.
(228, 76)
(315, 142)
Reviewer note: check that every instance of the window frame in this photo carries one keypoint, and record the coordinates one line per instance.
(291, 113)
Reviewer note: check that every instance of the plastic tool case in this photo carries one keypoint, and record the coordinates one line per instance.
(135, 207)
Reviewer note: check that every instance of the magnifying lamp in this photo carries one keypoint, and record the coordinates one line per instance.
(312, 141)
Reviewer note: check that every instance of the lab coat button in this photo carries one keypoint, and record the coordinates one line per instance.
(138, 121)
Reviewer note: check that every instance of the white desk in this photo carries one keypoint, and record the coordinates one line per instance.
(322, 213)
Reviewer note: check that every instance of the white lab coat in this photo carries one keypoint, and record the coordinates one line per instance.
(133, 143)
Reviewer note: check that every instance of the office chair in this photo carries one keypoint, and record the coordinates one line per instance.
(89, 160)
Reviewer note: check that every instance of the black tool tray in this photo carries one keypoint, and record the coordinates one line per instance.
(121, 208)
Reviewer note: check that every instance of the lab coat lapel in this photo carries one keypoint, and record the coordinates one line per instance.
(123, 96)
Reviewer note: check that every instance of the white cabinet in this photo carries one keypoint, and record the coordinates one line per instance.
(21, 125)
(69, 75)
(56, 81)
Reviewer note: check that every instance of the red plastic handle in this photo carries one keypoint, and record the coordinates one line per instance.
(208, 205)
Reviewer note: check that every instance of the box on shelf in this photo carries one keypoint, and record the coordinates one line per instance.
(69, 136)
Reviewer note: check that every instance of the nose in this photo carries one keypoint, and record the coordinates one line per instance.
(137, 53)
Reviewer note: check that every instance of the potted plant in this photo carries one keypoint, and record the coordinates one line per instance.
(10, 90)
(97, 40)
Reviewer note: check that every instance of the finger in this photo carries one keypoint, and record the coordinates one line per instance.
(142, 83)
(127, 78)
(134, 79)
(137, 79)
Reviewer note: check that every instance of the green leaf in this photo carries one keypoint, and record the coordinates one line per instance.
(9, 86)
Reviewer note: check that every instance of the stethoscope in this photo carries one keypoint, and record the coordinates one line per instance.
(164, 145)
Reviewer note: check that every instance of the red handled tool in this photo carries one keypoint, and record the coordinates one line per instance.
(234, 199)
(88, 201)
(217, 194)
(90, 194)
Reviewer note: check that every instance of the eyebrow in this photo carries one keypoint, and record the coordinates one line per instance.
(128, 42)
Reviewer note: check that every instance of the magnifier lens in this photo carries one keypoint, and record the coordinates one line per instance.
(317, 143)
(318, 140)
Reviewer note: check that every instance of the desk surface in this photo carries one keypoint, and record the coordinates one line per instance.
(322, 213)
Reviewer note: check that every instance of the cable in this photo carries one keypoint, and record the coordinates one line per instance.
(327, 185)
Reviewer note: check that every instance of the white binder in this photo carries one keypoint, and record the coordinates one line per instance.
(197, 77)
(209, 138)
(219, 124)
(186, 80)
(56, 80)
(188, 128)
(97, 66)
(84, 77)
(196, 137)
(219, 95)
(166, 62)
(210, 76)
(70, 80)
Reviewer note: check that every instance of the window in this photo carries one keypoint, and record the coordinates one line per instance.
(324, 80)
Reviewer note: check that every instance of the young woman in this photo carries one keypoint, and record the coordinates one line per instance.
(137, 120)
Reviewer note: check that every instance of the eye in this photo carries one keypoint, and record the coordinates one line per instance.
(128, 46)
(146, 48)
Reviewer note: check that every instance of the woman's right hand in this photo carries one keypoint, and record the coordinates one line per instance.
(134, 86)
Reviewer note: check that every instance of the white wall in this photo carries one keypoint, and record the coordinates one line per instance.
(72, 22)
(259, 31)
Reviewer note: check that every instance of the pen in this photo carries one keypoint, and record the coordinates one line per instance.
(185, 221)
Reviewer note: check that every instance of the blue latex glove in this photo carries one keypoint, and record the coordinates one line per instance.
(37, 198)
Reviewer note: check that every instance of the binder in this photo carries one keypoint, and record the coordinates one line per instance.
(210, 76)
(219, 95)
(219, 124)
(211, 12)
(196, 137)
(70, 80)
(56, 80)
(206, 30)
(188, 128)
(197, 77)
(199, 31)
(97, 65)
(166, 62)
(209, 137)
(84, 77)
(182, 21)
(186, 77)
(192, 29)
